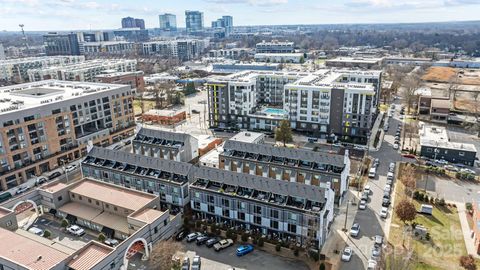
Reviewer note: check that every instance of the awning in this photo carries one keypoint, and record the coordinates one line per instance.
(71, 219)
(109, 233)
(52, 211)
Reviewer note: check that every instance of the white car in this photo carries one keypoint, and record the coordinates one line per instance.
(36, 231)
(395, 146)
(390, 175)
(384, 212)
(71, 168)
(347, 254)
(371, 265)
(75, 230)
(355, 230)
(387, 188)
(22, 189)
(362, 205)
(391, 166)
(367, 188)
(222, 244)
(466, 170)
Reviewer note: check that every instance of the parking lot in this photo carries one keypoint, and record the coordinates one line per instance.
(256, 260)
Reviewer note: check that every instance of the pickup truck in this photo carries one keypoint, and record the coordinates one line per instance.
(222, 244)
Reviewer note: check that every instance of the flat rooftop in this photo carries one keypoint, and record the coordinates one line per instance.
(89, 256)
(54, 187)
(27, 252)
(4, 212)
(247, 136)
(435, 136)
(122, 197)
(44, 93)
(360, 60)
(164, 112)
(147, 215)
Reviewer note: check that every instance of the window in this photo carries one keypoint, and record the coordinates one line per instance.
(59, 198)
(115, 208)
(9, 223)
(165, 222)
(292, 228)
(257, 220)
(89, 200)
(107, 206)
(155, 230)
(80, 197)
(97, 203)
(241, 216)
(274, 224)
(462, 154)
(274, 213)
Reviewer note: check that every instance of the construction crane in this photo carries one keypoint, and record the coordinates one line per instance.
(24, 36)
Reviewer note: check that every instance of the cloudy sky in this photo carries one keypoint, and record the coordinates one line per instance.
(106, 14)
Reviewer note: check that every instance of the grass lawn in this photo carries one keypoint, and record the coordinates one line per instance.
(446, 244)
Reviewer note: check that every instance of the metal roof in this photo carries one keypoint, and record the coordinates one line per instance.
(290, 153)
(164, 135)
(280, 187)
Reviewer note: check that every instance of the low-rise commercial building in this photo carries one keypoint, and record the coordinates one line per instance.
(164, 117)
(134, 79)
(282, 209)
(16, 70)
(83, 72)
(167, 178)
(229, 68)
(275, 46)
(165, 144)
(46, 124)
(436, 144)
(280, 57)
(354, 62)
(132, 217)
(287, 164)
(407, 61)
(234, 53)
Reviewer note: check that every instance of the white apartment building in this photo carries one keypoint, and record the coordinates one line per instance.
(107, 47)
(16, 70)
(84, 72)
(183, 49)
(280, 57)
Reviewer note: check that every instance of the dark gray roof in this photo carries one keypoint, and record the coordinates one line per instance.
(291, 153)
(313, 193)
(165, 135)
(177, 167)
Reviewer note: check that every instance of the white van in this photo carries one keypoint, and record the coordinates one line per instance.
(372, 172)
(36, 231)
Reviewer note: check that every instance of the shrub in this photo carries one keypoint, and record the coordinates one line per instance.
(322, 266)
(469, 206)
(198, 224)
(255, 241)
(244, 237)
(421, 196)
(314, 255)
(65, 223)
(426, 198)
(278, 247)
(441, 202)
(260, 242)
(427, 236)
(416, 193)
(101, 237)
(47, 234)
(296, 252)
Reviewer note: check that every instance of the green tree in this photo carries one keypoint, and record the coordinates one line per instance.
(47, 234)
(64, 223)
(283, 133)
(302, 60)
(101, 237)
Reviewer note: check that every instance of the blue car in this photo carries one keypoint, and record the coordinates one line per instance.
(242, 250)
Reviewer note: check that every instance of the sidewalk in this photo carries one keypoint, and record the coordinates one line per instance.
(467, 233)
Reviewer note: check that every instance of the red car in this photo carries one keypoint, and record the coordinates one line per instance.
(409, 156)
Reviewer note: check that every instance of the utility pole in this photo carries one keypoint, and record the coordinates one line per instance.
(24, 37)
(346, 216)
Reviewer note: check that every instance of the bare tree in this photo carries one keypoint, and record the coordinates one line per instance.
(408, 179)
(474, 126)
(162, 254)
(453, 83)
(410, 85)
(398, 259)
(161, 91)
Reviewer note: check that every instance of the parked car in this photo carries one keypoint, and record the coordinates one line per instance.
(371, 265)
(362, 205)
(201, 239)
(355, 230)
(376, 162)
(367, 188)
(244, 249)
(128, 142)
(41, 180)
(384, 212)
(364, 196)
(191, 237)
(186, 264)
(22, 189)
(54, 175)
(222, 244)
(385, 202)
(390, 176)
(391, 167)
(387, 188)
(312, 140)
(347, 254)
(36, 231)
(441, 161)
(212, 241)
(75, 230)
(181, 234)
(378, 240)
(372, 172)
(376, 252)
(466, 170)
(111, 242)
(409, 156)
(448, 167)
(395, 146)
(71, 168)
(195, 112)
(196, 263)
(432, 164)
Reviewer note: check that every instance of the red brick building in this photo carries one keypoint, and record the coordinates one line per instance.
(164, 117)
(134, 79)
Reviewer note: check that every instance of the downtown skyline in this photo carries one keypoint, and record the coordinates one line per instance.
(50, 15)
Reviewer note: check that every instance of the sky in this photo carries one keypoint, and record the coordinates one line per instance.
(49, 15)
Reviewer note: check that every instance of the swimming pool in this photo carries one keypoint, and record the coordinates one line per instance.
(274, 111)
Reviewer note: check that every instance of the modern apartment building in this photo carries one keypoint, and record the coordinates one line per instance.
(183, 49)
(2, 52)
(225, 23)
(235, 53)
(16, 70)
(130, 22)
(107, 47)
(48, 123)
(61, 44)
(83, 72)
(342, 102)
(132, 78)
(132, 34)
(165, 144)
(291, 165)
(167, 178)
(280, 57)
(281, 208)
(131, 217)
(194, 21)
(168, 22)
(275, 46)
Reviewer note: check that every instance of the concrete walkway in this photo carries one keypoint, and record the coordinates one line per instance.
(467, 233)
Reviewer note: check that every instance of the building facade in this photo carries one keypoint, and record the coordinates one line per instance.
(275, 46)
(84, 71)
(280, 57)
(16, 70)
(2, 52)
(271, 207)
(61, 44)
(107, 47)
(166, 178)
(164, 144)
(183, 49)
(133, 78)
(291, 165)
(340, 102)
(225, 24)
(130, 22)
(168, 22)
(48, 123)
(194, 21)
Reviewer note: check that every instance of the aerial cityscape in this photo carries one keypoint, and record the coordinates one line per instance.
(241, 134)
